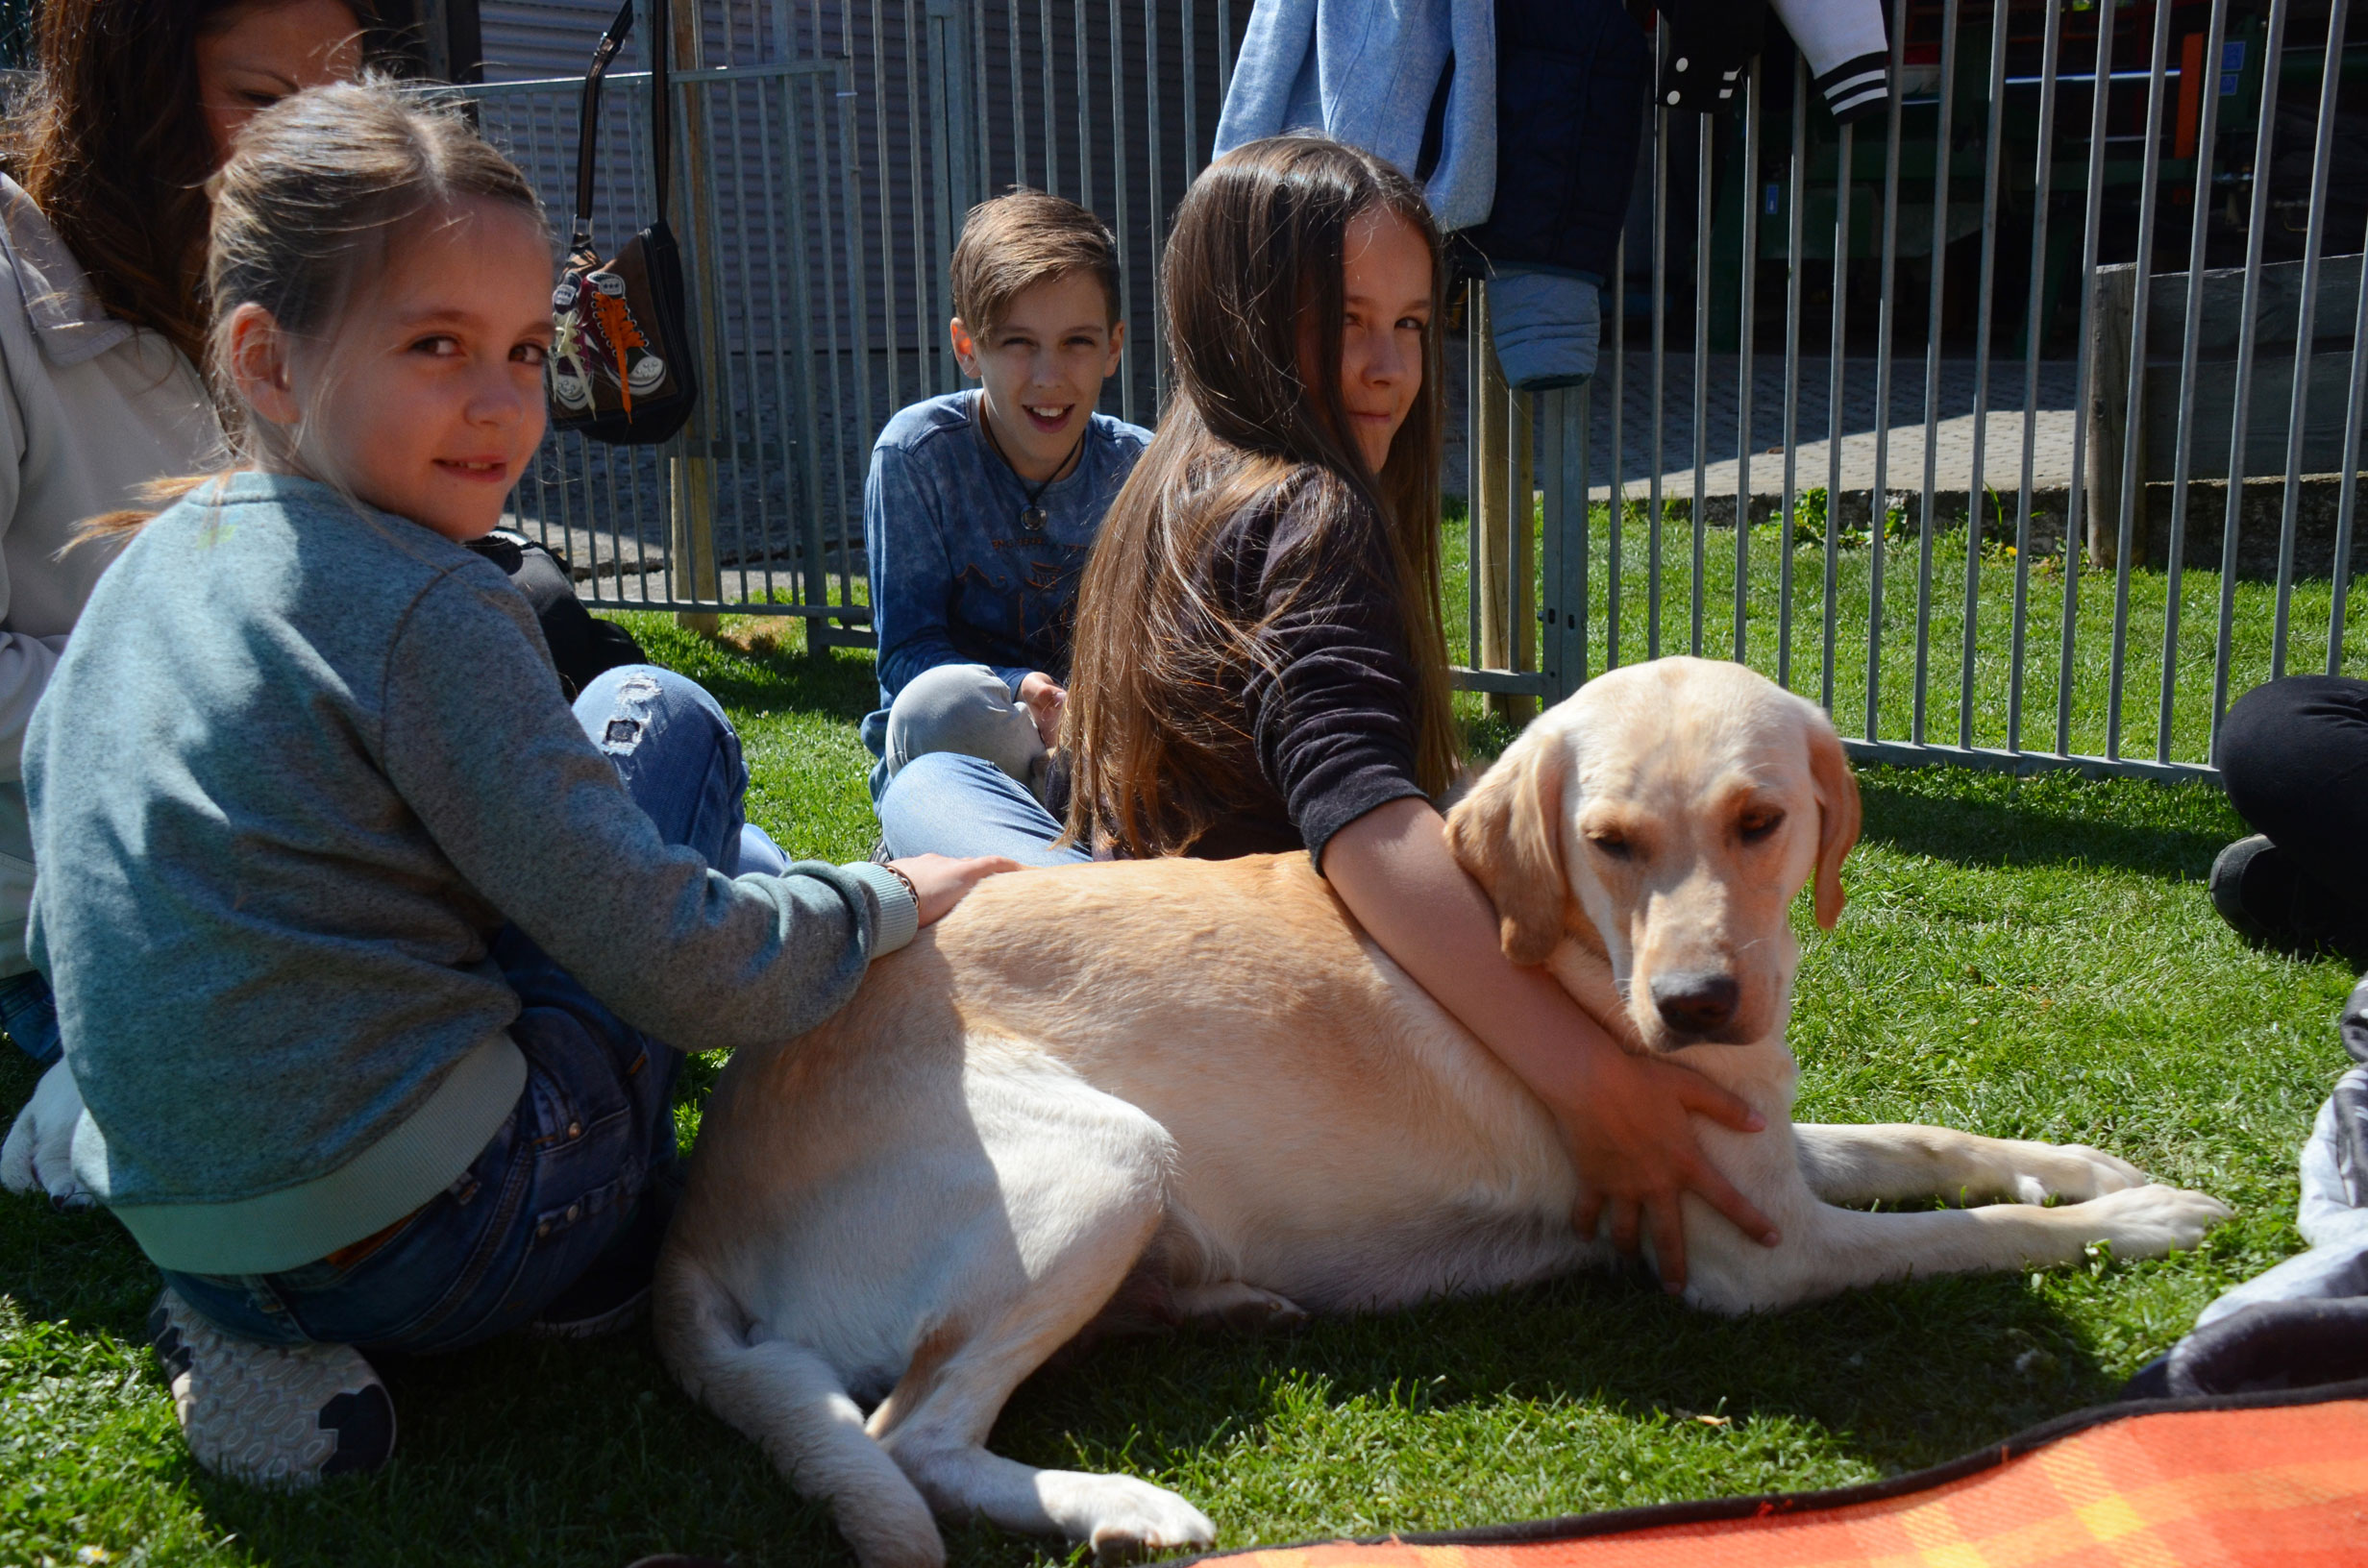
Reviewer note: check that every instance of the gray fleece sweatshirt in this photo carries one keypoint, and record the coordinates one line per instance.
(298, 763)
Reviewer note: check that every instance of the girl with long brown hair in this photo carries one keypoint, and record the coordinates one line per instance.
(103, 211)
(1260, 663)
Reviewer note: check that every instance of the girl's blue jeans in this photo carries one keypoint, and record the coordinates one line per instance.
(558, 1197)
(947, 803)
(29, 1012)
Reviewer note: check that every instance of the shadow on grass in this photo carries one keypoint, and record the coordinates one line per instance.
(78, 1268)
(1997, 819)
(518, 1451)
(1903, 1376)
(585, 1454)
(764, 665)
(526, 1450)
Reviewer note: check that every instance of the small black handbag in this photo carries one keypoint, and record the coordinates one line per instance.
(621, 368)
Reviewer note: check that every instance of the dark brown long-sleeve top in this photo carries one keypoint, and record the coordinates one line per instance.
(1321, 729)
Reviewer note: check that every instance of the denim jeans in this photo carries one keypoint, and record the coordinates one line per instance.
(946, 803)
(562, 1182)
(29, 1012)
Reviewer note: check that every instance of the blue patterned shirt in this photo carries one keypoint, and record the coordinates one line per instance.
(956, 576)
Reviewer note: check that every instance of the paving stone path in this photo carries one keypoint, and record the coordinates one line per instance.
(1904, 445)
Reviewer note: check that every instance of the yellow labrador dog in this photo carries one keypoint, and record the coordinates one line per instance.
(1182, 1089)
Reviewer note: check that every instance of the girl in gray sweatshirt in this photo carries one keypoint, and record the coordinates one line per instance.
(364, 943)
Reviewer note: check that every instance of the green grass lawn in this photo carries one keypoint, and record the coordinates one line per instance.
(1996, 718)
(2022, 957)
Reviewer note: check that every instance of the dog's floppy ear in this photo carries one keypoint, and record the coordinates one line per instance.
(1838, 812)
(1507, 833)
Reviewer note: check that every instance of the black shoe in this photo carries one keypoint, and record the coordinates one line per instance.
(2262, 891)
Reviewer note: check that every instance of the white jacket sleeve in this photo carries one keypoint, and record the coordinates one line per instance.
(1849, 57)
(26, 663)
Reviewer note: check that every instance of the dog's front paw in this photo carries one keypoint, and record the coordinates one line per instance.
(2073, 1172)
(2151, 1220)
(1134, 1519)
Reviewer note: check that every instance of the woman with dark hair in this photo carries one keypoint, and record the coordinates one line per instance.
(1260, 663)
(103, 215)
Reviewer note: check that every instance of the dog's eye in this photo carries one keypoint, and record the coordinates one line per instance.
(1759, 825)
(1610, 843)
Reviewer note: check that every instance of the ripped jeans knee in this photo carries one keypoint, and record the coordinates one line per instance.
(678, 754)
(619, 707)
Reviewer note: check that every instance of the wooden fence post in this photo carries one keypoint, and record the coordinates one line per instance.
(1503, 511)
(2111, 350)
(691, 474)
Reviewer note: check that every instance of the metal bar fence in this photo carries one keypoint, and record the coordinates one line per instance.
(2108, 201)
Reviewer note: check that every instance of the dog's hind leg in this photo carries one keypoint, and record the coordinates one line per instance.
(1897, 1163)
(791, 1401)
(1083, 1178)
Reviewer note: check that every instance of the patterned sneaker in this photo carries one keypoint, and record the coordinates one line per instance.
(270, 1415)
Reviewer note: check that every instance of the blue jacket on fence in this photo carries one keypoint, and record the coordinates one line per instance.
(956, 578)
(1366, 74)
(1531, 110)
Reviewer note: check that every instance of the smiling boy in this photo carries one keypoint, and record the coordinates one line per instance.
(981, 504)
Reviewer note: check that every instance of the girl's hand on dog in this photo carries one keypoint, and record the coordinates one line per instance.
(1625, 1120)
(939, 881)
(1627, 1123)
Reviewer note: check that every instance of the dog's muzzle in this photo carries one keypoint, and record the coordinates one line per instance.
(1699, 1005)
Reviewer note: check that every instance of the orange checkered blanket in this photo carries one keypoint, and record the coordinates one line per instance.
(2277, 1479)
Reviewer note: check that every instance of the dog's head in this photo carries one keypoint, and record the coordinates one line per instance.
(1665, 816)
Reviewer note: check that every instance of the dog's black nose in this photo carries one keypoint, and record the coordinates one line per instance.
(1696, 1001)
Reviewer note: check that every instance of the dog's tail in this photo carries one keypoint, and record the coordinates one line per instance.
(797, 1408)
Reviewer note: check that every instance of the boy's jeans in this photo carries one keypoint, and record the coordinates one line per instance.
(946, 803)
(561, 1183)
